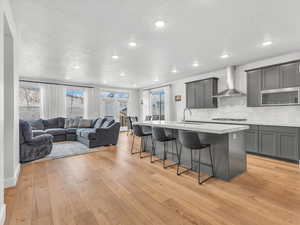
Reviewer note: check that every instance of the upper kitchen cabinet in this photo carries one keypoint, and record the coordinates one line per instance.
(290, 75)
(199, 94)
(270, 78)
(190, 95)
(254, 88)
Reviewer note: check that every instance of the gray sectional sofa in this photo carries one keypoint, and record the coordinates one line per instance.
(37, 136)
(92, 133)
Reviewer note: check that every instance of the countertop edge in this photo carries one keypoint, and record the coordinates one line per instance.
(246, 123)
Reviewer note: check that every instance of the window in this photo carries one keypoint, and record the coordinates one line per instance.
(29, 102)
(115, 105)
(157, 99)
(75, 103)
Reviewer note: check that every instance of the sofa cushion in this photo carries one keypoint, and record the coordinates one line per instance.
(56, 131)
(71, 130)
(37, 124)
(99, 122)
(51, 123)
(88, 133)
(61, 122)
(107, 123)
(38, 132)
(84, 123)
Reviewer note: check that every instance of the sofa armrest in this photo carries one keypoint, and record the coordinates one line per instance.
(42, 139)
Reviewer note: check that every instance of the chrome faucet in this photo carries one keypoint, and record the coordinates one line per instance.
(185, 111)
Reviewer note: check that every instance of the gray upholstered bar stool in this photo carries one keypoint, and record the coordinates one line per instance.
(192, 141)
(159, 135)
(138, 131)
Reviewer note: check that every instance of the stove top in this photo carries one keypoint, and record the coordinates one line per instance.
(230, 119)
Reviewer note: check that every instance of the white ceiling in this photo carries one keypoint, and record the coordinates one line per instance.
(75, 39)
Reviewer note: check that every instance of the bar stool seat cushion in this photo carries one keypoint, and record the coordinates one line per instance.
(191, 140)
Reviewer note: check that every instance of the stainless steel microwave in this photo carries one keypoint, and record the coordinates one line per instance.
(283, 96)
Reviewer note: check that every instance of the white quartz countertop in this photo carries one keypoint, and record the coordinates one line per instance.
(249, 122)
(214, 128)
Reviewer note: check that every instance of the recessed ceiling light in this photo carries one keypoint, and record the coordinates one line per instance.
(224, 56)
(266, 43)
(115, 57)
(68, 78)
(104, 82)
(132, 44)
(122, 74)
(76, 67)
(156, 79)
(174, 71)
(134, 85)
(195, 64)
(160, 24)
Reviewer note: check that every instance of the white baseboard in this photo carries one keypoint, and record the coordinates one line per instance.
(12, 181)
(2, 214)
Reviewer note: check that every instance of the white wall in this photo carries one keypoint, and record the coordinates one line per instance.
(11, 123)
(2, 206)
(235, 107)
(5, 159)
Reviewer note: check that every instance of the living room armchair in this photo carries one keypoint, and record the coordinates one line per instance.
(32, 148)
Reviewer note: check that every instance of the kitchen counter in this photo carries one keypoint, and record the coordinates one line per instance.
(226, 140)
(212, 128)
(248, 122)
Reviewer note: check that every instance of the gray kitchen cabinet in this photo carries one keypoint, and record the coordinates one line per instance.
(267, 142)
(254, 88)
(251, 140)
(290, 75)
(190, 95)
(210, 89)
(199, 94)
(270, 78)
(279, 142)
(287, 145)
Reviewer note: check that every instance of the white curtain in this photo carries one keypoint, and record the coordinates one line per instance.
(53, 101)
(92, 103)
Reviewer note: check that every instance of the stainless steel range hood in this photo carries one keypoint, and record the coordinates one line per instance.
(230, 79)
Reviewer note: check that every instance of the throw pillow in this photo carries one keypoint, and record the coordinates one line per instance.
(99, 123)
(107, 123)
(83, 123)
(76, 123)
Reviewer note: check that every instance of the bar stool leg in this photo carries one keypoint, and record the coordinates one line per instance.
(141, 146)
(211, 165)
(191, 159)
(153, 151)
(211, 161)
(165, 156)
(132, 145)
(199, 165)
(179, 159)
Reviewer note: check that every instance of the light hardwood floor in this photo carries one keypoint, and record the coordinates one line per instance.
(111, 187)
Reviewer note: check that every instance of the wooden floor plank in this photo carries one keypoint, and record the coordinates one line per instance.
(112, 187)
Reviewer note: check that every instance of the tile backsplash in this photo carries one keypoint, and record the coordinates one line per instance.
(236, 107)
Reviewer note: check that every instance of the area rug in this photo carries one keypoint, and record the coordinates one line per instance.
(65, 149)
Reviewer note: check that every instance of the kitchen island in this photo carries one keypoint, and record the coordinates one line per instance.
(227, 142)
